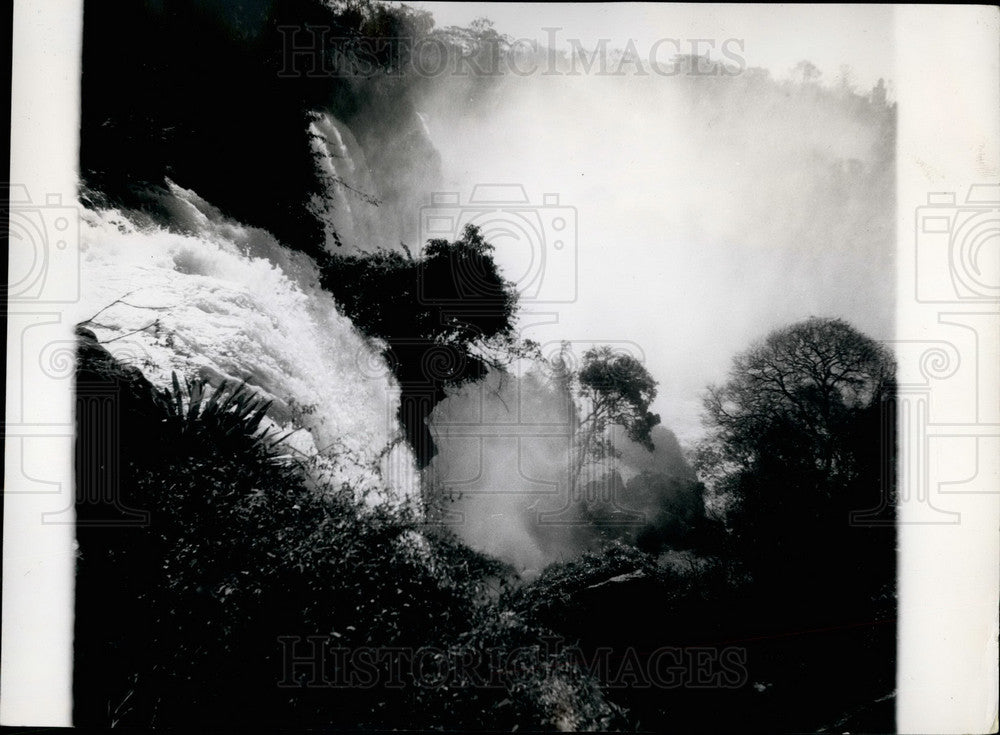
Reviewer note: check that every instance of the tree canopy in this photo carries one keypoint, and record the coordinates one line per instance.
(446, 317)
(612, 389)
(619, 390)
(798, 442)
(792, 398)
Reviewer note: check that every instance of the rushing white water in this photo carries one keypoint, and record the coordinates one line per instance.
(228, 302)
(349, 211)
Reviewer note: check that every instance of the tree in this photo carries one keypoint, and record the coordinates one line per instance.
(845, 79)
(879, 95)
(803, 385)
(806, 72)
(612, 389)
(795, 443)
(446, 316)
(799, 439)
(198, 610)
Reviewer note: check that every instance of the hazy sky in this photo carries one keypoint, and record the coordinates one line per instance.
(700, 226)
(775, 37)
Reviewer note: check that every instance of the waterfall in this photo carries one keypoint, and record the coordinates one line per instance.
(220, 300)
(349, 209)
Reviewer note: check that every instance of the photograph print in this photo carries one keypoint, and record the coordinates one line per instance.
(485, 367)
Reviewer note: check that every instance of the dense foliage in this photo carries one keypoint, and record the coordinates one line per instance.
(193, 614)
(446, 317)
(799, 447)
(785, 573)
(204, 609)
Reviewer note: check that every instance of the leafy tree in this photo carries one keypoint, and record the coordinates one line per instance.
(795, 446)
(610, 394)
(446, 316)
(612, 389)
(806, 72)
(243, 551)
(794, 397)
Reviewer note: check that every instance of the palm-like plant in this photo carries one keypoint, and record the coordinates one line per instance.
(227, 411)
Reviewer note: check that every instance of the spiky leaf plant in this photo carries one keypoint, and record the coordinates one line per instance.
(193, 409)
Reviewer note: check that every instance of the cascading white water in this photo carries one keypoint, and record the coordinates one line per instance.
(240, 305)
(228, 302)
(211, 297)
(349, 210)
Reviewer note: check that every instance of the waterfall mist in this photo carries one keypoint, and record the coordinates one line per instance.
(709, 210)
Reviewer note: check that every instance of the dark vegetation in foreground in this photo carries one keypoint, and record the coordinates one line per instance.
(782, 621)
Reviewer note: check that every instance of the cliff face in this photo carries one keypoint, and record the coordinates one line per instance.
(225, 153)
(221, 103)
